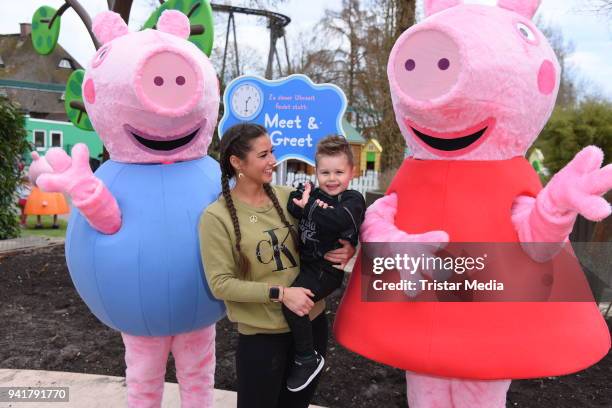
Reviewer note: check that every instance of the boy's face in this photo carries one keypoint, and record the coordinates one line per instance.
(334, 173)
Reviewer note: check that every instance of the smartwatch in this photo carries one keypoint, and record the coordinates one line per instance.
(275, 293)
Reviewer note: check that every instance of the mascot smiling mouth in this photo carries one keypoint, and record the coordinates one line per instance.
(159, 144)
(449, 145)
(455, 142)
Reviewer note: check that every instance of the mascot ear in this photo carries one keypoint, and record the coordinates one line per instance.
(526, 8)
(109, 25)
(174, 22)
(435, 6)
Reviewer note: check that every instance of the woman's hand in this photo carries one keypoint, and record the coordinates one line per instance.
(340, 257)
(322, 204)
(298, 300)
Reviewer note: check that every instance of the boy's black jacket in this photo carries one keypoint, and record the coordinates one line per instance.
(319, 229)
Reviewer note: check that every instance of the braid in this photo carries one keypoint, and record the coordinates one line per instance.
(270, 192)
(229, 203)
(236, 141)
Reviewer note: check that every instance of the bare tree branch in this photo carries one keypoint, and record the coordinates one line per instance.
(85, 18)
(364, 32)
(123, 7)
(599, 7)
(57, 14)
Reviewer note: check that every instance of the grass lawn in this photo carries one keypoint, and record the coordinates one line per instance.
(46, 231)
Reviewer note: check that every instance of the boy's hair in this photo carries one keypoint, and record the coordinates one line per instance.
(334, 145)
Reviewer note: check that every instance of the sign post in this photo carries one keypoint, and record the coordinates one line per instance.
(296, 112)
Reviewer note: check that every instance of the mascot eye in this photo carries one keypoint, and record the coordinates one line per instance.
(526, 32)
(102, 53)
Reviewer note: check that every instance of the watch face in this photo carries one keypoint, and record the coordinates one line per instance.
(246, 101)
(274, 293)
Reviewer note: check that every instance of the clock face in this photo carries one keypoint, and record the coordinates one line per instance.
(246, 101)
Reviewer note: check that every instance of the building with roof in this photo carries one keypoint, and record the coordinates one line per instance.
(37, 83)
(370, 156)
(44, 134)
(363, 152)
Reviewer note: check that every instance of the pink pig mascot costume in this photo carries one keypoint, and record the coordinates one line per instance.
(472, 87)
(131, 247)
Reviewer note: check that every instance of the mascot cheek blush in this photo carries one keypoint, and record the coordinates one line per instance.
(472, 86)
(132, 248)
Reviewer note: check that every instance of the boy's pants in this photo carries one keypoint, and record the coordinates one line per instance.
(322, 279)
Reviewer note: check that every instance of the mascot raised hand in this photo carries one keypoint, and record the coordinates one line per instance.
(132, 247)
(472, 87)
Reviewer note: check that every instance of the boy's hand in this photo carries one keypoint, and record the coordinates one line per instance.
(305, 196)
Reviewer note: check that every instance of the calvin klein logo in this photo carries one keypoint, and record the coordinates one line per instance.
(277, 247)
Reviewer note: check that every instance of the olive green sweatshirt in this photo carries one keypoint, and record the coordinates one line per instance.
(273, 259)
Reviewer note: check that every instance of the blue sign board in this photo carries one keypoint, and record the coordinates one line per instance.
(296, 112)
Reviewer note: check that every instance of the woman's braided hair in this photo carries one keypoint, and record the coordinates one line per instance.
(236, 141)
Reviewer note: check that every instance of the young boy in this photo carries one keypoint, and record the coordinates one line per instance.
(326, 214)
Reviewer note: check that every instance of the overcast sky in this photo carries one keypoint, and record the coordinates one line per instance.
(590, 34)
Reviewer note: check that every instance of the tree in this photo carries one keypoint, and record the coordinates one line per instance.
(571, 129)
(249, 61)
(600, 6)
(365, 32)
(13, 145)
(389, 19)
(568, 94)
(346, 25)
(261, 4)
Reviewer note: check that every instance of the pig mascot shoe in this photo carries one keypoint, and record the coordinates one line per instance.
(472, 86)
(132, 246)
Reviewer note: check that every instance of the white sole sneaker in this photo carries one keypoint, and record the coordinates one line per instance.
(312, 376)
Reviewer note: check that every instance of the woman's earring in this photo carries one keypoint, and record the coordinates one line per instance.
(240, 175)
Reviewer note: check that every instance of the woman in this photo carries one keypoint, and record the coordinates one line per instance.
(249, 249)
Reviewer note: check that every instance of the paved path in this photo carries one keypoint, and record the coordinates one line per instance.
(15, 245)
(92, 391)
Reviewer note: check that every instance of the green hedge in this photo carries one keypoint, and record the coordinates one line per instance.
(571, 129)
(13, 144)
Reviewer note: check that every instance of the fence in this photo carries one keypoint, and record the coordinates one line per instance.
(363, 184)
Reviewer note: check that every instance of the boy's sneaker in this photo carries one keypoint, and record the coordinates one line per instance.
(303, 371)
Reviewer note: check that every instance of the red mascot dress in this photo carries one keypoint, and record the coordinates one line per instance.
(471, 200)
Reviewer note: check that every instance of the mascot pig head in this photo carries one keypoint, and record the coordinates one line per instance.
(473, 82)
(152, 96)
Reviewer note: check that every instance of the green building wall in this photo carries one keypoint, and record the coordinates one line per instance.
(59, 134)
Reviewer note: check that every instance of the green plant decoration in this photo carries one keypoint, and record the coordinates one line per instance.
(200, 16)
